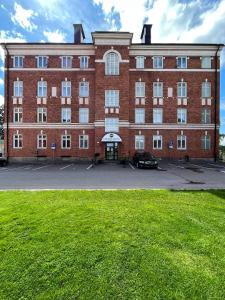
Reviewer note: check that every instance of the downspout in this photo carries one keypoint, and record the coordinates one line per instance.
(215, 106)
(7, 102)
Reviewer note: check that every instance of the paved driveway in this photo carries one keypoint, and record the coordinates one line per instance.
(171, 174)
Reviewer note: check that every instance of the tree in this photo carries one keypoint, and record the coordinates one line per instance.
(1, 121)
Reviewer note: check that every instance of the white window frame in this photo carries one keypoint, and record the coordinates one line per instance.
(66, 62)
(139, 89)
(66, 88)
(18, 61)
(182, 62)
(42, 89)
(182, 89)
(139, 142)
(41, 114)
(206, 62)
(140, 62)
(206, 141)
(182, 139)
(18, 88)
(84, 89)
(206, 89)
(206, 116)
(157, 89)
(158, 140)
(83, 115)
(157, 62)
(65, 115)
(66, 138)
(157, 114)
(111, 98)
(18, 115)
(83, 141)
(41, 140)
(139, 115)
(182, 116)
(18, 138)
(42, 62)
(111, 124)
(84, 62)
(112, 64)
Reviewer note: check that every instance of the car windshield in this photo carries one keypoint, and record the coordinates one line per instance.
(146, 155)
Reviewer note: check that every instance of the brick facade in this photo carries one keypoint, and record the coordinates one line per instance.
(121, 44)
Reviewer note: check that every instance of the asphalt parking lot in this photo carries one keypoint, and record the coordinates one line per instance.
(171, 175)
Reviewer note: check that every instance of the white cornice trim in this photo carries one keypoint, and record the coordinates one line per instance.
(174, 70)
(51, 69)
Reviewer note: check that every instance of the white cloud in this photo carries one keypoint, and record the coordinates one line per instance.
(10, 37)
(23, 17)
(1, 81)
(54, 36)
(1, 99)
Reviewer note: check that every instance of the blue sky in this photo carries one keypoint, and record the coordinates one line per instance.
(189, 21)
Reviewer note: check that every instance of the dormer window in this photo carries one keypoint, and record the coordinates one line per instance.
(112, 64)
(182, 62)
(66, 62)
(42, 61)
(18, 62)
(84, 62)
(140, 62)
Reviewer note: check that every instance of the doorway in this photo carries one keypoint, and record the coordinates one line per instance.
(111, 151)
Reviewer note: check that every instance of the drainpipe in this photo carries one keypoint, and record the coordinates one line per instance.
(215, 106)
(7, 101)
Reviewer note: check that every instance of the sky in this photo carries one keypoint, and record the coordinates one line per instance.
(175, 21)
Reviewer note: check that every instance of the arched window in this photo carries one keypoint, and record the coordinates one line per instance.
(112, 64)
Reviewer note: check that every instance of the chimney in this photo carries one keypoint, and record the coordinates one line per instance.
(78, 34)
(146, 34)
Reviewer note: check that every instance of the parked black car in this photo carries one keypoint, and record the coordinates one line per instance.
(145, 160)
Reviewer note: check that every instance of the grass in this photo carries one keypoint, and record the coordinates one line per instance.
(112, 245)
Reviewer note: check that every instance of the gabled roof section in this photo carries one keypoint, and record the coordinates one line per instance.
(112, 38)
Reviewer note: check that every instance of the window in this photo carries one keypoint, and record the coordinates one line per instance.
(157, 142)
(83, 115)
(139, 115)
(18, 115)
(84, 62)
(18, 62)
(140, 62)
(84, 89)
(66, 88)
(182, 115)
(66, 141)
(42, 89)
(139, 142)
(66, 62)
(112, 64)
(157, 62)
(182, 62)
(205, 142)
(111, 98)
(42, 61)
(111, 124)
(206, 116)
(206, 89)
(157, 89)
(42, 115)
(157, 115)
(66, 115)
(17, 141)
(206, 62)
(18, 89)
(83, 141)
(182, 89)
(181, 142)
(140, 89)
(42, 141)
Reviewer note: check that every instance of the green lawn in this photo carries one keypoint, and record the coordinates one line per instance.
(112, 245)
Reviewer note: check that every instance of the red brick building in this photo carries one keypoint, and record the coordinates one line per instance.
(111, 97)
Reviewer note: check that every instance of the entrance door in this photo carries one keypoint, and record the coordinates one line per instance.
(111, 151)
